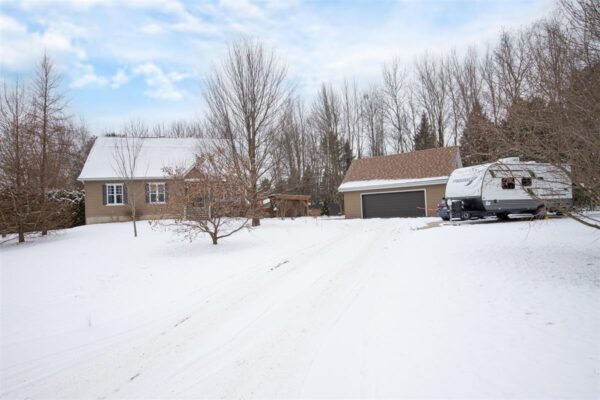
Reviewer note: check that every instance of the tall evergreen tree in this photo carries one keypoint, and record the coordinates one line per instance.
(347, 154)
(477, 137)
(424, 138)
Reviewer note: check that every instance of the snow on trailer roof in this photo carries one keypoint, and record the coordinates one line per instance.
(155, 154)
(466, 181)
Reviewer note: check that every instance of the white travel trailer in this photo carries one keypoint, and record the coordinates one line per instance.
(507, 186)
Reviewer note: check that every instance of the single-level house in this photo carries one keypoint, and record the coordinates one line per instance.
(399, 185)
(107, 196)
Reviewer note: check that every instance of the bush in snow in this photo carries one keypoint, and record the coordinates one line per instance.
(211, 203)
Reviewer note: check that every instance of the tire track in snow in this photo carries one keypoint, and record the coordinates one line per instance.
(134, 341)
(323, 302)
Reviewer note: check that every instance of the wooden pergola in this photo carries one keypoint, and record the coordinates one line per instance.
(289, 205)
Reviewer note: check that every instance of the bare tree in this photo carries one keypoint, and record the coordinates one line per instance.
(490, 92)
(17, 175)
(178, 129)
(212, 203)
(296, 146)
(373, 118)
(245, 96)
(583, 24)
(351, 117)
(432, 93)
(513, 65)
(413, 117)
(464, 88)
(48, 107)
(394, 98)
(326, 122)
(126, 155)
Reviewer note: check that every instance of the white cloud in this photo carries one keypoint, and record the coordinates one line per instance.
(243, 8)
(86, 76)
(21, 48)
(281, 4)
(119, 79)
(152, 29)
(161, 85)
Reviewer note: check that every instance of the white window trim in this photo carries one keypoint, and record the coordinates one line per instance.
(115, 195)
(150, 192)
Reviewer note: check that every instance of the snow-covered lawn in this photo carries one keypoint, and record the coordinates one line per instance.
(306, 308)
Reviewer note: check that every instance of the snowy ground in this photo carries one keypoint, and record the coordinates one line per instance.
(305, 308)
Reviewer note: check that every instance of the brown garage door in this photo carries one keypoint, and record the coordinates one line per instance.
(399, 204)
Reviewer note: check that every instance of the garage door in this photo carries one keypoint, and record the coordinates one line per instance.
(400, 204)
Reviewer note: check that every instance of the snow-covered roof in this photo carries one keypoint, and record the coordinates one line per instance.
(155, 154)
(390, 183)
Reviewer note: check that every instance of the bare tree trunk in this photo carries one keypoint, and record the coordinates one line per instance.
(245, 98)
(126, 162)
(48, 108)
(394, 98)
(254, 186)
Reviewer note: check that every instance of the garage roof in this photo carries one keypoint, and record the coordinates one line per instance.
(431, 166)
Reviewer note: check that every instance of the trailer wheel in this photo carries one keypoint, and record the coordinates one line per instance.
(540, 213)
(502, 216)
(465, 216)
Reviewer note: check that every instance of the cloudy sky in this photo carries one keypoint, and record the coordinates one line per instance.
(147, 58)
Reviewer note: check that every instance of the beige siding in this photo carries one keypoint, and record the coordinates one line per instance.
(434, 193)
(96, 212)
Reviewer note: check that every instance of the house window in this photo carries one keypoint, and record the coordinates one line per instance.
(526, 182)
(114, 194)
(508, 183)
(156, 193)
(198, 201)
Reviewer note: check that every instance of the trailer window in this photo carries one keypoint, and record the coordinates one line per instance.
(508, 183)
(526, 182)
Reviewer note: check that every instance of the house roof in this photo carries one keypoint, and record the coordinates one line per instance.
(283, 196)
(431, 166)
(155, 154)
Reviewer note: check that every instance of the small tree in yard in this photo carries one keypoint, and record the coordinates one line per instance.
(126, 156)
(212, 203)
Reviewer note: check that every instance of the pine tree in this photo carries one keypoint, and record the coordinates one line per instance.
(424, 138)
(475, 142)
(347, 154)
(325, 208)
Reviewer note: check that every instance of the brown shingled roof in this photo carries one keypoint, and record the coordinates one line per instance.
(414, 165)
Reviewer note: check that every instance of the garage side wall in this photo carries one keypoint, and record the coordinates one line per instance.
(434, 193)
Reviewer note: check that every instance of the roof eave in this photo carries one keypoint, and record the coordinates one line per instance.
(120, 178)
(394, 184)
